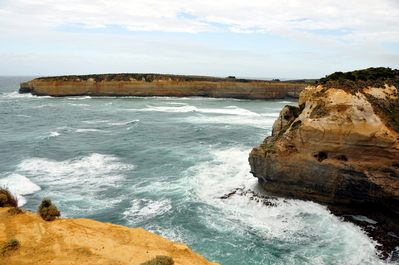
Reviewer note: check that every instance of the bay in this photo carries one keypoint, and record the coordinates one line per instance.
(163, 164)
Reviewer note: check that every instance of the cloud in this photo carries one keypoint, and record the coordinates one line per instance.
(266, 35)
(364, 16)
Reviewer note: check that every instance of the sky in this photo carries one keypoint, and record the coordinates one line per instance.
(252, 38)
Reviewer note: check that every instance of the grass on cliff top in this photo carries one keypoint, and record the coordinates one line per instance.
(355, 80)
(148, 77)
(387, 109)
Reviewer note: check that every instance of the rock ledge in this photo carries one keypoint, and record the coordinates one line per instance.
(84, 241)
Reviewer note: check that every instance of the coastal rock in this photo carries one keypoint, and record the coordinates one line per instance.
(339, 146)
(84, 241)
(160, 85)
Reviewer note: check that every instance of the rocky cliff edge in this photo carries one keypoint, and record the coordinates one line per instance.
(340, 145)
(160, 85)
(84, 241)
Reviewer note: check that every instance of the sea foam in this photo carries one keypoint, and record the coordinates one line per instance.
(19, 185)
(318, 236)
(83, 180)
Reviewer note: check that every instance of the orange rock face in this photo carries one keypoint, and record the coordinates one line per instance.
(161, 86)
(84, 241)
(336, 147)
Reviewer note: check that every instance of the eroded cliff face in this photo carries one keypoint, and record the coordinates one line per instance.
(160, 85)
(84, 241)
(337, 146)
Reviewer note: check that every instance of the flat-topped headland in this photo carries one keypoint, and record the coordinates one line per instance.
(161, 85)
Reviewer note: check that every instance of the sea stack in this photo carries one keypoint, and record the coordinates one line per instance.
(340, 145)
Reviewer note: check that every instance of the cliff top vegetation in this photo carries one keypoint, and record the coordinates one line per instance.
(355, 80)
(147, 77)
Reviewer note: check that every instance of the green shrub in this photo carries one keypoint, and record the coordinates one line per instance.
(159, 260)
(7, 199)
(11, 244)
(48, 211)
(355, 80)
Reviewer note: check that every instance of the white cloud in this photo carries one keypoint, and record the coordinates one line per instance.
(337, 33)
(270, 15)
(366, 20)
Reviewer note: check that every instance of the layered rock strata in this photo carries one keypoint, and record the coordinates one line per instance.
(84, 241)
(339, 145)
(160, 85)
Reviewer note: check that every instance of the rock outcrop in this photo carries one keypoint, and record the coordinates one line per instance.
(160, 85)
(340, 145)
(84, 241)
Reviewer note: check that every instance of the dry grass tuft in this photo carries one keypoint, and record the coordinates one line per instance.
(160, 260)
(48, 211)
(7, 199)
(11, 244)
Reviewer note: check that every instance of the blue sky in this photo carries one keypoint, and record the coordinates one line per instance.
(252, 38)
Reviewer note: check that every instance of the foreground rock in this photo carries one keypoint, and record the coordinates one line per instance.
(160, 85)
(84, 241)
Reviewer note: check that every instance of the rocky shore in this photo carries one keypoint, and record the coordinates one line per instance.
(83, 241)
(161, 85)
(339, 146)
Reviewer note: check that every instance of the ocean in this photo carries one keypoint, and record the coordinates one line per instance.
(164, 164)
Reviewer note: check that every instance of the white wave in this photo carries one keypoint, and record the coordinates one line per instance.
(94, 122)
(195, 98)
(19, 185)
(182, 109)
(287, 102)
(78, 105)
(316, 233)
(124, 123)
(230, 110)
(54, 134)
(145, 209)
(81, 170)
(82, 180)
(263, 122)
(177, 103)
(88, 130)
(79, 97)
(18, 95)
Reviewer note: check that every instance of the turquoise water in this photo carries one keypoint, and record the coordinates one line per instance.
(162, 164)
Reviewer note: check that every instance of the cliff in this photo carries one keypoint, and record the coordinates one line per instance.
(340, 145)
(160, 85)
(84, 241)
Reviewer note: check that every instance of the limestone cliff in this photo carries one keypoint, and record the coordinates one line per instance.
(160, 85)
(340, 145)
(84, 241)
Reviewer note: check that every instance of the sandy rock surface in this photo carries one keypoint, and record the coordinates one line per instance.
(84, 241)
